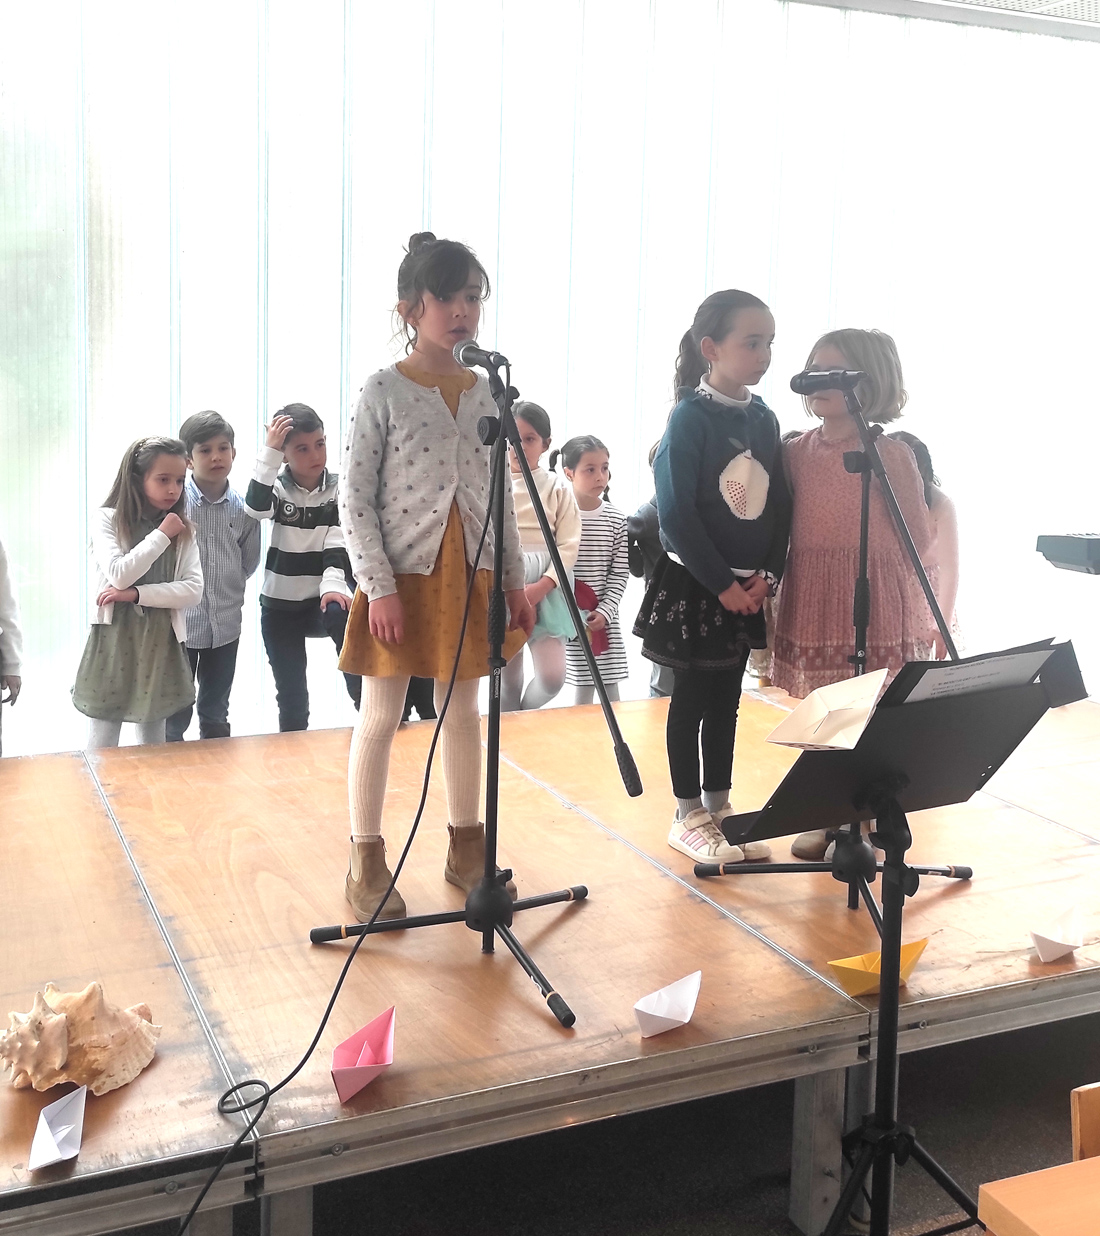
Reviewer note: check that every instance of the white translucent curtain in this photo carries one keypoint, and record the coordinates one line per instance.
(203, 206)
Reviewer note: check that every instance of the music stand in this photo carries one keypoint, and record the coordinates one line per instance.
(912, 756)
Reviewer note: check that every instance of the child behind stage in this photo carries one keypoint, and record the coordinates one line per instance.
(553, 624)
(11, 643)
(305, 593)
(943, 554)
(229, 550)
(644, 551)
(134, 667)
(814, 636)
(414, 502)
(724, 513)
(602, 565)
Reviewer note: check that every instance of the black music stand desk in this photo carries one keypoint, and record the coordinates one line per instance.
(912, 756)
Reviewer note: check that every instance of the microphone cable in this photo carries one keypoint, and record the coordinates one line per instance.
(233, 1102)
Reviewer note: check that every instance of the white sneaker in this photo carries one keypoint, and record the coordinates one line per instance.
(698, 837)
(754, 851)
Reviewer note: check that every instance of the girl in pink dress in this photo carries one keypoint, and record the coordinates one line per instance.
(814, 635)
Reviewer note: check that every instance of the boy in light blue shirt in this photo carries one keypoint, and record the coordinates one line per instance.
(229, 550)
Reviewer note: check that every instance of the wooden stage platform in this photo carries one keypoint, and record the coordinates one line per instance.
(189, 877)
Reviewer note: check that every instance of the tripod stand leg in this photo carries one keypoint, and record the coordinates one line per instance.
(554, 1002)
(850, 1192)
(947, 1183)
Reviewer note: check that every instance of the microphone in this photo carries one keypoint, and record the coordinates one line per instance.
(812, 380)
(467, 353)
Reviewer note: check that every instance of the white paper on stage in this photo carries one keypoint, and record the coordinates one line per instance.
(59, 1130)
(833, 717)
(668, 1007)
(1063, 936)
(1013, 669)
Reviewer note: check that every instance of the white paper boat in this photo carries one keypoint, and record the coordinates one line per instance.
(59, 1130)
(669, 1007)
(833, 717)
(1063, 936)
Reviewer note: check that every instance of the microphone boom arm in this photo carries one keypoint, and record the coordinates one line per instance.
(509, 436)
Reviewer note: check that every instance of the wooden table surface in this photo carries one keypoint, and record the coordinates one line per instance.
(1028, 869)
(1060, 1201)
(72, 911)
(244, 847)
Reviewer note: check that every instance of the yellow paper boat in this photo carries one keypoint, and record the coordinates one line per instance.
(859, 976)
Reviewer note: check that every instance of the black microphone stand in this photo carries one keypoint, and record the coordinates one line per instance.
(489, 907)
(880, 1140)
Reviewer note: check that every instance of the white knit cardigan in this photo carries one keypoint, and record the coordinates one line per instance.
(406, 459)
(116, 567)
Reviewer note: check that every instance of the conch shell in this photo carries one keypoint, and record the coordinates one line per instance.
(78, 1036)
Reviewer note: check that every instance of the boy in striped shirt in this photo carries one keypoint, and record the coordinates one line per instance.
(307, 590)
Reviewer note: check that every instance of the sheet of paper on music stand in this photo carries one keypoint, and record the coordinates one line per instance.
(1061, 937)
(358, 1060)
(833, 717)
(1013, 669)
(59, 1130)
(668, 1007)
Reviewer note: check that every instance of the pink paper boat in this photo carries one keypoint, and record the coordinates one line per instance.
(358, 1060)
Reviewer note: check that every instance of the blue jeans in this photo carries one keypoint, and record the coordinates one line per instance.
(213, 669)
(285, 632)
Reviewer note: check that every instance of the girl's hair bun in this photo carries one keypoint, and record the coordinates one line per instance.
(418, 240)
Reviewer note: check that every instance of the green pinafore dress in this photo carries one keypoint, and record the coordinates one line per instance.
(134, 668)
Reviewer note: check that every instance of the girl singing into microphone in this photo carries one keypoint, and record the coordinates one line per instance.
(413, 504)
(814, 636)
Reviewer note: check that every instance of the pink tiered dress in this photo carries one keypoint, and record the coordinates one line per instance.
(814, 635)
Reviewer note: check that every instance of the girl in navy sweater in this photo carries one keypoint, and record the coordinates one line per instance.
(724, 512)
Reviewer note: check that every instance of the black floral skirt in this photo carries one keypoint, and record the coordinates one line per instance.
(684, 626)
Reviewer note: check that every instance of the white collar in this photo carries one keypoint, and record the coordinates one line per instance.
(708, 392)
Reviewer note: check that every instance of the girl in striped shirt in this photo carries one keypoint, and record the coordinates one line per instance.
(602, 568)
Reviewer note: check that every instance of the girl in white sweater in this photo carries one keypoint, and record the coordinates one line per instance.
(134, 667)
(553, 624)
(413, 505)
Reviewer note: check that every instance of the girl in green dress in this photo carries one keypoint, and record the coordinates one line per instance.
(134, 667)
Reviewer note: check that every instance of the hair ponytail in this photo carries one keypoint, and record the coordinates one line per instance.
(690, 366)
(552, 462)
(714, 319)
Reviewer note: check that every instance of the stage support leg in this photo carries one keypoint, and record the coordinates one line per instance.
(815, 1149)
(212, 1222)
(287, 1214)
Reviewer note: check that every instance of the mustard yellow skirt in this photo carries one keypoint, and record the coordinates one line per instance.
(433, 619)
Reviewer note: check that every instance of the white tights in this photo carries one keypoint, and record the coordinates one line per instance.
(548, 662)
(585, 695)
(369, 761)
(107, 733)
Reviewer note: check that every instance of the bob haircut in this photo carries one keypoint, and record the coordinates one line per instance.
(882, 393)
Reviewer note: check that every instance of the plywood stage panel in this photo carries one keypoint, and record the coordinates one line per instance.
(1027, 867)
(72, 911)
(244, 844)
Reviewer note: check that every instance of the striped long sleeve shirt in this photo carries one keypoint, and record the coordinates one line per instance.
(307, 556)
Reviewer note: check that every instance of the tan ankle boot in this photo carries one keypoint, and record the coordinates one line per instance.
(368, 878)
(465, 864)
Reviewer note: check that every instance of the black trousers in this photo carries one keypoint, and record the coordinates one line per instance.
(213, 670)
(703, 714)
(285, 632)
